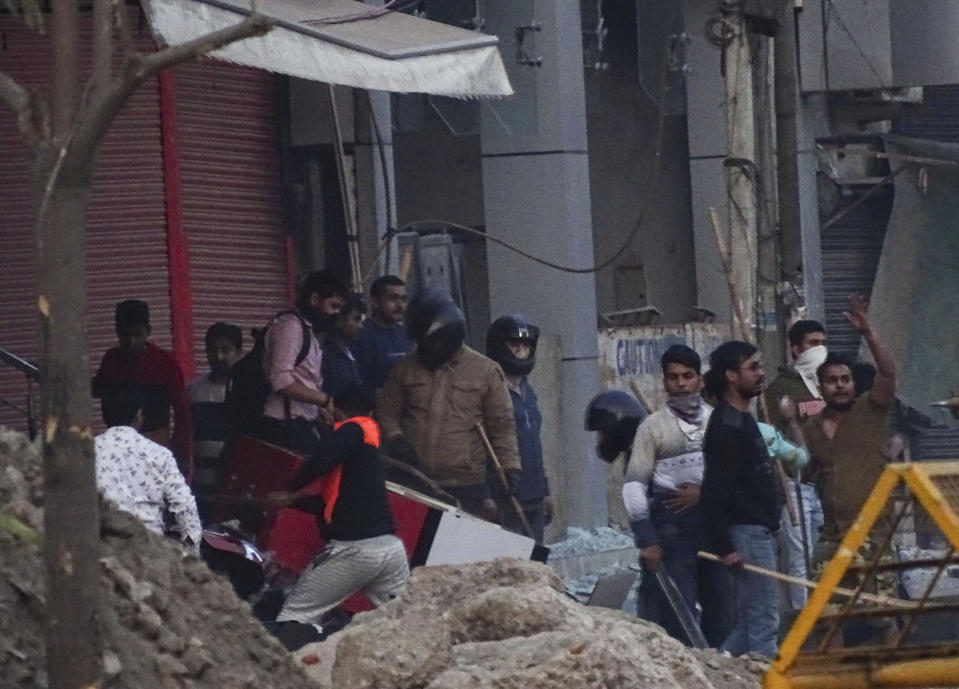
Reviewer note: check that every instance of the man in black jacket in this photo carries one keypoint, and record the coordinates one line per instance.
(740, 500)
(362, 553)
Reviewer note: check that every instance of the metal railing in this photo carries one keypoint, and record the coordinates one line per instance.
(32, 374)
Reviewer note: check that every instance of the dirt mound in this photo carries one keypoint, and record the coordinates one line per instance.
(166, 619)
(506, 624)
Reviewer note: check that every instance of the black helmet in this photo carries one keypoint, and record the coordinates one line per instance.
(504, 329)
(437, 326)
(615, 415)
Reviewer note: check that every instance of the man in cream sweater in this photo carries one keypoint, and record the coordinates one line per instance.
(661, 492)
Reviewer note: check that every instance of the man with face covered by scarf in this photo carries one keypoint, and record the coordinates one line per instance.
(798, 383)
(662, 495)
(296, 400)
(435, 397)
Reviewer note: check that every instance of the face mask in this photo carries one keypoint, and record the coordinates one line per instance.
(806, 365)
(320, 320)
(686, 406)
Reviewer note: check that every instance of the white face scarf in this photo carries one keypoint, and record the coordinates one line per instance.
(806, 365)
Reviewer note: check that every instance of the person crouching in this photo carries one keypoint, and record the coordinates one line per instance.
(362, 553)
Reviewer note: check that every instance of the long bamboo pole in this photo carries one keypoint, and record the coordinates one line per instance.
(839, 590)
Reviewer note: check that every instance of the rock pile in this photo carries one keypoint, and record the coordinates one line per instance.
(168, 622)
(507, 625)
(165, 618)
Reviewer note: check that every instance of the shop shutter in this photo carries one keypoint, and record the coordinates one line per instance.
(937, 119)
(231, 185)
(126, 241)
(850, 256)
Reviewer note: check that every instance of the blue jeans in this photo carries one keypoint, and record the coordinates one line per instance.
(757, 609)
(698, 580)
(791, 558)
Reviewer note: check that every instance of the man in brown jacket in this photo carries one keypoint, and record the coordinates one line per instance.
(435, 397)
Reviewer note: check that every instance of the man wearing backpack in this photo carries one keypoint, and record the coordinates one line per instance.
(295, 401)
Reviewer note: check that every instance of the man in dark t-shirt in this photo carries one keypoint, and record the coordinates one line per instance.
(383, 340)
(740, 498)
(338, 366)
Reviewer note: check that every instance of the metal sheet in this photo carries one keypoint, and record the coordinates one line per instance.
(232, 202)
(913, 298)
(297, 50)
(390, 35)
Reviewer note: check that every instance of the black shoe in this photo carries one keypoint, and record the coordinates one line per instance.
(295, 635)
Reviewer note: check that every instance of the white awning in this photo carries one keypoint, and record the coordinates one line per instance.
(344, 42)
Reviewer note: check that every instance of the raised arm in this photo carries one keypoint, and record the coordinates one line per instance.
(884, 389)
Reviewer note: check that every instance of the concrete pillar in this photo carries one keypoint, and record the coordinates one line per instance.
(706, 119)
(536, 195)
(813, 123)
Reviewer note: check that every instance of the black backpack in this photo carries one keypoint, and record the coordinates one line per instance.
(248, 388)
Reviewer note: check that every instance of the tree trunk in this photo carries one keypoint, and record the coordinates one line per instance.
(71, 519)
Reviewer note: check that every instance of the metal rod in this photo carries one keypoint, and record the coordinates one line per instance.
(910, 623)
(861, 584)
(349, 207)
(27, 368)
(803, 531)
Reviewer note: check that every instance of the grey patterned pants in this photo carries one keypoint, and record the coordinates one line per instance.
(375, 566)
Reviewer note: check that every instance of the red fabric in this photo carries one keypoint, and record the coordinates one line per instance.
(157, 367)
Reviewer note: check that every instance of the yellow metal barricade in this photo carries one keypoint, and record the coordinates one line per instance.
(809, 657)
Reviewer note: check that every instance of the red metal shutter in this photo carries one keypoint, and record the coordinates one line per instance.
(126, 238)
(232, 202)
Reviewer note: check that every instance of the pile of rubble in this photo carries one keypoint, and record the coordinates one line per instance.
(167, 621)
(506, 624)
(165, 618)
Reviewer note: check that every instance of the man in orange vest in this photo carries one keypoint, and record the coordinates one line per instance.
(362, 553)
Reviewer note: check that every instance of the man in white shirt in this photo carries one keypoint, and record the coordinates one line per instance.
(138, 475)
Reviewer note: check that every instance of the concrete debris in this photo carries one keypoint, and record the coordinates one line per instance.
(504, 625)
(165, 619)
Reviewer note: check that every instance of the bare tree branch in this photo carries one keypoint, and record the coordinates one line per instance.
(123, 26)
(102, 45)
(101, 111)
(13, 95)
(32, 112)
(153, 64)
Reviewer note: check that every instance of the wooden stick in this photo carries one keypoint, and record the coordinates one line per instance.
(502, 479)
(745, 331)
(839, 590)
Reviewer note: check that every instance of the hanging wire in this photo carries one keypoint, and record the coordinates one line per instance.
(433, 223)
(834, 13)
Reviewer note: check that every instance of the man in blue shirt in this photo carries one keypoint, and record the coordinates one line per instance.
(383, 341)
(338, 366)
(511, 343)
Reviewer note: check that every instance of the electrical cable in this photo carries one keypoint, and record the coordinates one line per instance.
(433, 223)
(842, 25)
(365, 15)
